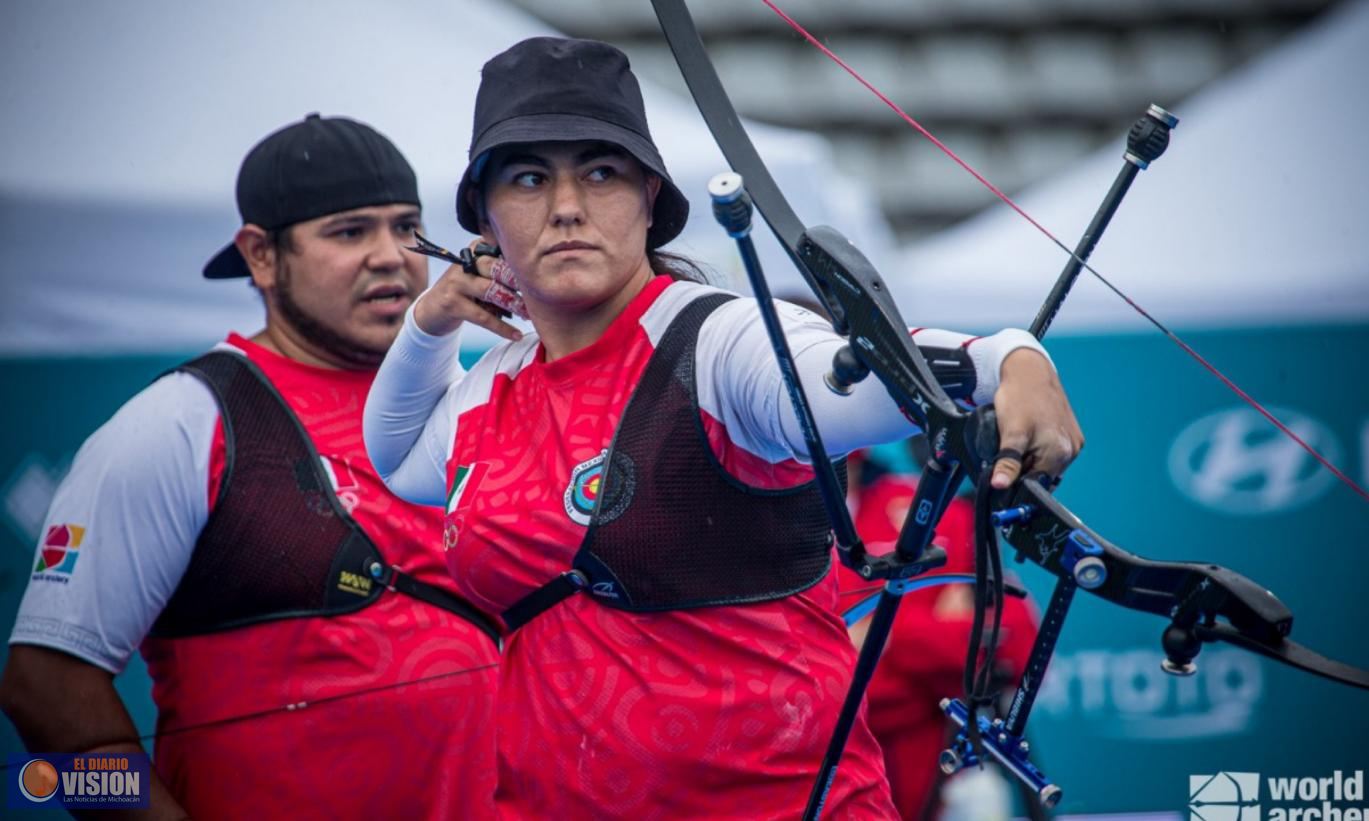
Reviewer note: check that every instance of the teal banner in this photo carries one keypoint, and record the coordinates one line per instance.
(1176, 468)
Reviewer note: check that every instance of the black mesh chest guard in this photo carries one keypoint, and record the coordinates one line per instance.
(671, 529)
(278, 543)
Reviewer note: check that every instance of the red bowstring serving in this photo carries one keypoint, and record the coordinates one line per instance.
(1212, 369)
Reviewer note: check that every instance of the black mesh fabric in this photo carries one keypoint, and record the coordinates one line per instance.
(672, 529)
(278, 543)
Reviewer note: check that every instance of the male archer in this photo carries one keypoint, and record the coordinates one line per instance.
(227, 521)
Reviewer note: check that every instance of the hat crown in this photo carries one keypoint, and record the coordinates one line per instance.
(315, 167)
(554, 89)
(554, 75)
(318, 166)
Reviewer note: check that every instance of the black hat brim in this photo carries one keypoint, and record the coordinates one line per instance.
(227, 264)
(668, 216)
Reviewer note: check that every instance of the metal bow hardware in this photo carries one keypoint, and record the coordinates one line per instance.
(1202, 602)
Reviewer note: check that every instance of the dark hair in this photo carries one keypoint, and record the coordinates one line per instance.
(282, 239)
(677, 266)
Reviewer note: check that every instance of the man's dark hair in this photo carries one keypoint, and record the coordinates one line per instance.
(283, 241)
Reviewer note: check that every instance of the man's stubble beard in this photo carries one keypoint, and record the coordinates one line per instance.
(346, 349)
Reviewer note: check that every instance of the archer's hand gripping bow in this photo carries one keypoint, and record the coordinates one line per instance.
(1193, 596)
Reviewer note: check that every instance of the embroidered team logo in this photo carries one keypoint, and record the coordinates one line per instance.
(464, 483)
(588, 482)
(583, 491)
(61, 548)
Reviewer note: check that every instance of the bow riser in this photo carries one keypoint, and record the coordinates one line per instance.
(864, 311)
(1171, 589)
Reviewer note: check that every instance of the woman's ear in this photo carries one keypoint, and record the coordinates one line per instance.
(653, 190)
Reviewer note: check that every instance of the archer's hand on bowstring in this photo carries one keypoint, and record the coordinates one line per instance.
(1037, 431)
(482, 293)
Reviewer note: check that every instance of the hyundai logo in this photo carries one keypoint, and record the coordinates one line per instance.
(1236, 462)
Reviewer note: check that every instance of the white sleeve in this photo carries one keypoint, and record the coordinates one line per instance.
(122, 526)
(734, 348)
(407, 426)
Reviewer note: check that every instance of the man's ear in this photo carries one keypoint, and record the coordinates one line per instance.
(653, 190)
(256, 248)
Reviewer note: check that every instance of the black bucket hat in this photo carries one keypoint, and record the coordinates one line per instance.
(552, 89)
(318, 166)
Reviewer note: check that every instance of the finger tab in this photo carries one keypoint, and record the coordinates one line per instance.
(1008, 453)
(502, 273)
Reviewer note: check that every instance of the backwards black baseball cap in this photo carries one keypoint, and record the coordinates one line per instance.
(552, 89)
(321, 165)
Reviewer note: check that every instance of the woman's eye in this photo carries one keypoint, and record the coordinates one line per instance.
(406, 228)
(603, 173)
(350, 233)
(527, 179)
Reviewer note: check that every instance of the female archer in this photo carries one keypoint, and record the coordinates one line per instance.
(628, 485)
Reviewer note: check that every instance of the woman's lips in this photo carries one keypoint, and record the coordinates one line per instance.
(573, 245)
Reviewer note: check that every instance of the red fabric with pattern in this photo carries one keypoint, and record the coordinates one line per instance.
(420, 750)
(925, 658)
(711, 713)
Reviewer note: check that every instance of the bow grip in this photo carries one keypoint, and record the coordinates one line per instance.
(980, 439)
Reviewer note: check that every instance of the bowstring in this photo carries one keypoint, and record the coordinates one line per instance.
(1188, 349)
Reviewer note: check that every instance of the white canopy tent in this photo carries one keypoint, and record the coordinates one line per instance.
(125, 124)
(1255, 215)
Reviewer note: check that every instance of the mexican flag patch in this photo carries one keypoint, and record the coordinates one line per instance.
(464, 483)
